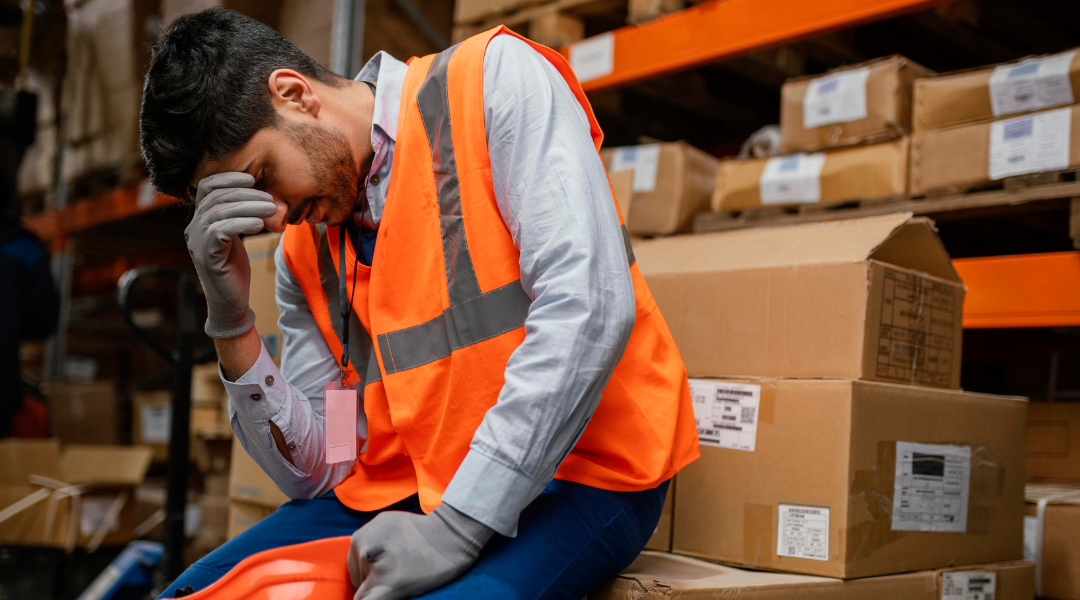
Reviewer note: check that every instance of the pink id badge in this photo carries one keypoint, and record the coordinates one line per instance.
(340, 412)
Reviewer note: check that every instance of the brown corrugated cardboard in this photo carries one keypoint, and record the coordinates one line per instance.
(857, 173)
(825, 458)
(661, 538)
(656, 576)
(248, 483)
(151, 418)
(873, 298)
(622, 186)
(672, 183)
(964, 96)
(262, 299)
(84, 413)
(887, 107)
(1058, 560)
(1053, 440)
(242, 515)
(958, 158)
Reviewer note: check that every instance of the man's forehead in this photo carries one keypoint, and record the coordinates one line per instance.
(238, 161)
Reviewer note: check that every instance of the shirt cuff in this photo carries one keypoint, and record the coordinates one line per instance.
(259, 394)
(491, 492)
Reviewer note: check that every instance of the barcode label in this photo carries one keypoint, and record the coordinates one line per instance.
(1031, 144)
(1033, 84)
(836, 98)
(726, 413)
(968, 585)
(803, 531)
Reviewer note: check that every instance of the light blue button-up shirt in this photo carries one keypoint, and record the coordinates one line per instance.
(555, 200)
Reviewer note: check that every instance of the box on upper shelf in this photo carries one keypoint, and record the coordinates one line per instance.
(968, 156)
(1053, 441)
(1027, 85)
(874, 298)
(672, 182)
(850, 479)
(850, 105)
(654, 576)
(856, 173)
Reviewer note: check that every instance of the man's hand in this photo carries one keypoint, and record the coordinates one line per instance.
(400, 555)
(225, 207)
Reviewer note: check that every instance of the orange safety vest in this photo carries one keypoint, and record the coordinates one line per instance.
(446, 308)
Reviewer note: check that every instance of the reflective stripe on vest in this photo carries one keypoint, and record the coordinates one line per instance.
(473, 317)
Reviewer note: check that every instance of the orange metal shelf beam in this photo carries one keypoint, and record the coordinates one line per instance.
(719, 29)
(116, 204)
(1028, 290)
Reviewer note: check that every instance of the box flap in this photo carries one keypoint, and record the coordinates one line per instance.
(1053, 493)
(916, 245)
(832, 242)
(105, 465)
(19, 459)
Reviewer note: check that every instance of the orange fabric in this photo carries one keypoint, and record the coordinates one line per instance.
(643, 430)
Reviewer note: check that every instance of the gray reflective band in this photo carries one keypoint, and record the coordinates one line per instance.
(363, 359)
(482, 318)
(629, 247)
(434, 105)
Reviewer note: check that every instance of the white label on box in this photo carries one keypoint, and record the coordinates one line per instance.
(1032, 84)
(155, 421)
(644, 160)
(93, 512)
(932, 486)
(594, 57)
(1031, 536)
(836, 98)
(1030, 144)
(803, 531)
(978, 585)
(795, 178)
(726, 413)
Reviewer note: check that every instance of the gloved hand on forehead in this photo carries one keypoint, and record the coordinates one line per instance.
(400, 555)
(225, 207)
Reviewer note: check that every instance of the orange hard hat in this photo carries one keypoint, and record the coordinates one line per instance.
(309, 571)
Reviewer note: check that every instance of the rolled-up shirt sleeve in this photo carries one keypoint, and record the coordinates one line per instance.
(291, 398)
(555, 199)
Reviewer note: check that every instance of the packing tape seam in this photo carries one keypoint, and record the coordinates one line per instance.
(1040, 522)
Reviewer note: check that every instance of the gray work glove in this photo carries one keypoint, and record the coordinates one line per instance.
(401, 555)
(225, 207)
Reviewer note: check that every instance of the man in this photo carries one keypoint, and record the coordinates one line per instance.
(454, 257)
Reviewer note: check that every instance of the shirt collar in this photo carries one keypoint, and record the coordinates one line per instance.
(388, 75)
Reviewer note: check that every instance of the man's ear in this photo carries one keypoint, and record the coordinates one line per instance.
(292, 92)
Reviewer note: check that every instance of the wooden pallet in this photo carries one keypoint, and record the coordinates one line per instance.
(953, 206)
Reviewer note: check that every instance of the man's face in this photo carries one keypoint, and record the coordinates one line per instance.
(310, 171)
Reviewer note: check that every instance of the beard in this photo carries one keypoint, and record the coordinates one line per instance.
(333, 169)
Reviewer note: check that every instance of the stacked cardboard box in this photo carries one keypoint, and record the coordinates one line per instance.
(252, 494)
(967, 134)
(843, 136)
(1052, 538)
(824, 363)
(84, 413)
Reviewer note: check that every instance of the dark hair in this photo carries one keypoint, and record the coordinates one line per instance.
(206, 92)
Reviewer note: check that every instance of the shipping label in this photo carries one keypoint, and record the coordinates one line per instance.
(644, 160)
(1030, 144)
(155, 420)
(931, 488)
(836, 98)
(1031, 538)
(594, 57)
(968, 585)
(1032, 84)
(803, 531)
(918, 329)
(792, 179)
(726, 413)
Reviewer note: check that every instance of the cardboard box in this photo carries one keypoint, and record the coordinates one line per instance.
(850, 105)
(968, 156)
(1053, 441)
(1057, 558)
(654, 576)
(262, 298)
(1027, 85)
(151, 421)
(661, 538)
(84, 413)
(90, 487)
(249, 483)
(242, 515)
(856, 173)
(672, 182)
(850, 479)
(873, 298)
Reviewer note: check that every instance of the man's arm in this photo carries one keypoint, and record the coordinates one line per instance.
(555, 199)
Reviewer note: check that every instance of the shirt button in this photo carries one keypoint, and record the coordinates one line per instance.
(256, 397)
(269, 380)
(292, 446)
(375, 179)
